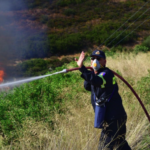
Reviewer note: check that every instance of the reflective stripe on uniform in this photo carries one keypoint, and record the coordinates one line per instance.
(104, 81)
(114, 80)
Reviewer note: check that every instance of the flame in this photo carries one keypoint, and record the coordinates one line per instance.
(1, 76)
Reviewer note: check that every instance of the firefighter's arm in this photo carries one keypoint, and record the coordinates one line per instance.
(90, 77)
(81, 59)
(87, 86)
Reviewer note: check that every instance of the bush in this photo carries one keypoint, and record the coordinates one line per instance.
(66, 60)
(69, 12)
(140, 48)
(100, 33)
(74, 42)
(119, 48)
(60, 22)
(68, 43)
(54, 62)
(37, 100)
(68, 2)
(113, 49)
(35, 67)
(44, 19)
(146, 42)
(32, 67)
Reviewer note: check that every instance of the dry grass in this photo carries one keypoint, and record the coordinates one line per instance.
(130, 65)
(75, 130)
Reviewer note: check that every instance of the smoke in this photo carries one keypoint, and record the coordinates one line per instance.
(21, 36)
(9, 5)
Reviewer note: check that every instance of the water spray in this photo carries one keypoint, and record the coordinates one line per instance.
(29, 79)
(73, 69)
(3, 85)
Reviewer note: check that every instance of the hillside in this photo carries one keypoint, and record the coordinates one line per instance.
(43, 36)
(43, 28)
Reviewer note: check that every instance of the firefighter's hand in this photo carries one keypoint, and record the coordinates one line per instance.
(81, 59)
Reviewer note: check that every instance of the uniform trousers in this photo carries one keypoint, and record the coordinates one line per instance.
(113, 136)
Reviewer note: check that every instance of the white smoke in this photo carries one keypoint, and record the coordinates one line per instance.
(18, 40)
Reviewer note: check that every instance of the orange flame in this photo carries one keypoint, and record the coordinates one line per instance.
(1, 76)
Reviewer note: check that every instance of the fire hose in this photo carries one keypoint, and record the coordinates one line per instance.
(68, 70)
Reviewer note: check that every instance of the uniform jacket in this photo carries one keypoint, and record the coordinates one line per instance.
(103, 84)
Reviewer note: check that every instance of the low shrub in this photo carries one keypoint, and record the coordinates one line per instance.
(100, 34)
(35, 67)
(66, 43)
(113, 49)
(146, 42)
(44, 19)
(69, 12)
(119, 48)
(66, 60)
(53, 62)
(37, 100)
(68, 2)
(141, 48)
(60, 22)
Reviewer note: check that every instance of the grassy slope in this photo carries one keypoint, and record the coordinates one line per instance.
(75, 25)
(70, 27)
(85, 16)
(72, 121)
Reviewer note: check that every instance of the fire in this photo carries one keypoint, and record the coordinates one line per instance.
(1, 75)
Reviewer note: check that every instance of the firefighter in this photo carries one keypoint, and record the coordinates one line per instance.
(110, 115)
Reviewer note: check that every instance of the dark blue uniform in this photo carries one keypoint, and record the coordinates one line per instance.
(103, 84)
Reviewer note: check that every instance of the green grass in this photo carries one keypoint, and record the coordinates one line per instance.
(38, 100)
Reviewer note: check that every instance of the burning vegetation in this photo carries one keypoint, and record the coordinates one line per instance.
(1, 76)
